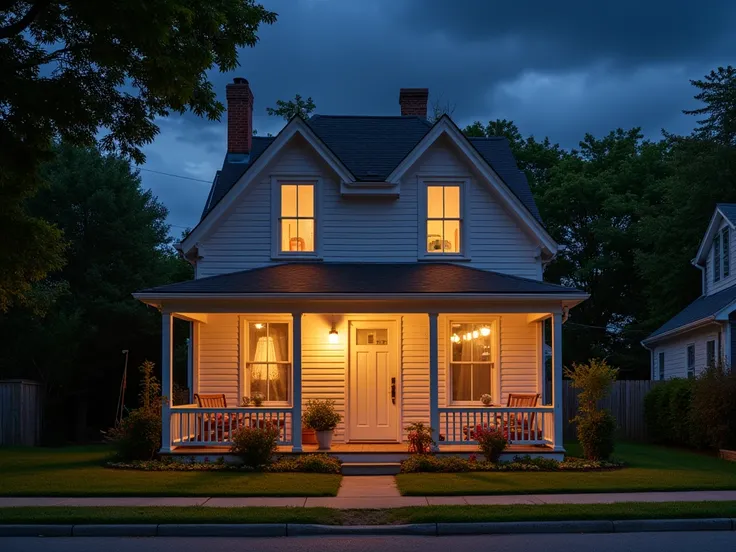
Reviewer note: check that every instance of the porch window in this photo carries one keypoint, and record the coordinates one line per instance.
(297, 218)
(471, 361)
(444, 219)
(269, 361)
(691, 361)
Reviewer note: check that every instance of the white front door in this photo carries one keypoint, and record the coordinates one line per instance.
(373, 386)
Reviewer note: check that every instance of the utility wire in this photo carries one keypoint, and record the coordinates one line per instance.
(176, 175)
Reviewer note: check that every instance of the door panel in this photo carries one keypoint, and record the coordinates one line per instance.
(372, 413)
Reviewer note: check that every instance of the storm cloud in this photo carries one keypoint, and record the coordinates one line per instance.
(556, 69)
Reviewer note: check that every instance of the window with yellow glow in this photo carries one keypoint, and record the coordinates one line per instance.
(269, 361)
(443, 219)
(471, 361)
(297, 217)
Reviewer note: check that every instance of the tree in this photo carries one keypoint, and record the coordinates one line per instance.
(718, 92)
(292, 108)
(118, 243)
(81, 69)
(439, 107)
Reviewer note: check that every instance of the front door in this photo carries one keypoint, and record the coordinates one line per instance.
(373, 398)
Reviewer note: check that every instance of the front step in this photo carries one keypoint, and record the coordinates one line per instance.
(371, 468)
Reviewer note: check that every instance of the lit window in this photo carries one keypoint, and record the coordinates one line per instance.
(691, 361)
(444, 219)
(297, 218)
(269, 361)
(471, 361)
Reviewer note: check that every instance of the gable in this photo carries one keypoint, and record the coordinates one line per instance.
(724, 213)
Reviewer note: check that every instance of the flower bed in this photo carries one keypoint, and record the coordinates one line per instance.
(453, 464)
(306, 463)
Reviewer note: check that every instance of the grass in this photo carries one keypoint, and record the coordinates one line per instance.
(423, 514)
(649, 468)
(79, 471)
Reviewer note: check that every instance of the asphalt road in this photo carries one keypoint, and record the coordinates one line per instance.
(622, 542)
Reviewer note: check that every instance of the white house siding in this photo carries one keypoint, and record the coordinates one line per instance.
(712, 286)
(675, 352)
(360, 229)
(324, 365)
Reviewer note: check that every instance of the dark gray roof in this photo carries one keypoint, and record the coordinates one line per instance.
(702, 307)
(371, 147)
(362, 278)
(729, 211)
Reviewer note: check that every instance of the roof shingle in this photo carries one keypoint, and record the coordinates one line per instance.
(702, 307)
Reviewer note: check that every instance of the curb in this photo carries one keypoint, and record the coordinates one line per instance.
(415, 529)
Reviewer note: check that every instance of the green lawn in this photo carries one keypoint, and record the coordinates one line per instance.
(78, 471)
(649, 468)
(423, 514)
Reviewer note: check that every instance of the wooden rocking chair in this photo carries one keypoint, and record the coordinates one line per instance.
(216, 427)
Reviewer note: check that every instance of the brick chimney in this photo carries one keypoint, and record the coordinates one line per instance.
(413, 101)
(239, 116)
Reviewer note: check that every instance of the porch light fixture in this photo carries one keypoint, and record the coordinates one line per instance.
(333, 336)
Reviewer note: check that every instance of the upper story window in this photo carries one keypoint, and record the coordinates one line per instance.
(444, 219)
(717, 258)
(725, 246)
(297, 220)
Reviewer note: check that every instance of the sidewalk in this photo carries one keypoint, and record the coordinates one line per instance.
(361, 494)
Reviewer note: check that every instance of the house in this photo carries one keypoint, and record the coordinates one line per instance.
(702, 333)
(387, 263)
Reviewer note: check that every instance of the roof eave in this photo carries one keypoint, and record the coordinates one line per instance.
(678, 330)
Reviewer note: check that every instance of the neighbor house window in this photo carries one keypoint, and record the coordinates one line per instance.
(691, 361)
(724, 244)
(717, 258)
(297, 218)
(268, 364)
(471, 361)
(710, 352)
(444, 219)
(661, 366)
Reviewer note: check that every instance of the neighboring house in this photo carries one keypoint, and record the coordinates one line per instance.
(702, 333)
(387, 263)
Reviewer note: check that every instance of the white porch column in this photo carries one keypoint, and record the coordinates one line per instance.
(167, 343)
(557, 379)
(434, 387)
(296, 411)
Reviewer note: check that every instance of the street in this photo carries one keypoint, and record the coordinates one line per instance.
(623, 542)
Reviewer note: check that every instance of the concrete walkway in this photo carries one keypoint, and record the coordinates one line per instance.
(368, 492)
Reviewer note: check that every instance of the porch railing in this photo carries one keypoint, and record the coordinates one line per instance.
(524, 426)
(194, 426)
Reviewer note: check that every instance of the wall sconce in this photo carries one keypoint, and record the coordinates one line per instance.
(333, 336)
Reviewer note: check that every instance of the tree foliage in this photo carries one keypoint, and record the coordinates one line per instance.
(292, 108)
(84, 71)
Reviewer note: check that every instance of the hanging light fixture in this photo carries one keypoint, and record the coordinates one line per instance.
(333, 336)
(485, 331)
(475, 334)
(455, 338)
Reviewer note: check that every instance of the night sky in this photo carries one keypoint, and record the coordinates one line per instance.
(558, 69)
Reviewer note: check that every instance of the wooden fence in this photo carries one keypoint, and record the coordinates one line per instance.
(626, 403)
(20, 412)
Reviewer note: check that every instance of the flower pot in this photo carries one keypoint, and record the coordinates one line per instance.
(324, 438)
(309, 437)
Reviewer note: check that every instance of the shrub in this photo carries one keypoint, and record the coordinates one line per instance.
(666, 411)
(417, 463)
(321, 415)
(430, 463)
(713, 409)
(420, 438)
(307, 463)
(491, 441)
(255, 445)
(596, 427)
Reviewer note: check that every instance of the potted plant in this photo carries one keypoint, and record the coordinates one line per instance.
(322, 417)
(486, 399)
(257, 399)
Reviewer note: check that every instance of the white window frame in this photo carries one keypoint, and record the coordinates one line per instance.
(690, 366)
(276, 182)
(495, 324)
(244, 385)
(423, 183)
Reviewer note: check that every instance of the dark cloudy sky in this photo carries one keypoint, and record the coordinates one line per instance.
(558, 69)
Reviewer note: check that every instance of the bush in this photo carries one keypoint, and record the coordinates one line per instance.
(418, 463)
(596, 427)
(666, 411)
(321, 415)
(307, 463)
(137, 436)
(420, 438)
(713, 409)
(491, 442)
(255, 445)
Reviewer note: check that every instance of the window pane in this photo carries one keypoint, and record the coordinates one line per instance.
(278, 332)
(434, 201)
(462, 344)
(481, 345)
(306, 234)
(434, 236)
(481, 380)
(306, 200)
(290, 239)
(366, 336)
(461, 382)
(257, 341)
(288, 200)
(452, 236)
(452, 202)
